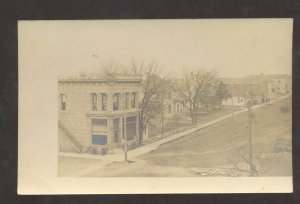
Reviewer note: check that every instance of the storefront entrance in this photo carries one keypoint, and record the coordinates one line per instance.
(99, 131)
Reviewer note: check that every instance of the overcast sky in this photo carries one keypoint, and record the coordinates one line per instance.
(232, 47)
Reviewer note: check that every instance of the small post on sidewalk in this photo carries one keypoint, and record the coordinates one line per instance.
(125, 152)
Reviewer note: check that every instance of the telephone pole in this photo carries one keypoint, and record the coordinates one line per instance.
(162, 115)
(125, 129)
(250, 126)
(231, 101)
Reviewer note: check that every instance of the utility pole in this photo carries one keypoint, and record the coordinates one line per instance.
(177, 121)
(125, 129)
(277, 87)
(162, 115)
(232, 101)
(250, 125)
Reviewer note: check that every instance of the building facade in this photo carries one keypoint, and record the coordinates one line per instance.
(98, 114)
(172, 104)
(262, 88)
(278, 87)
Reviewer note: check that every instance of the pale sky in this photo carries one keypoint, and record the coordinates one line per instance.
(234, 48)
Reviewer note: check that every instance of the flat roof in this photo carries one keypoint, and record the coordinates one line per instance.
(117, 78)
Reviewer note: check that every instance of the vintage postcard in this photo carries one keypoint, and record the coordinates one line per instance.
(155, 106)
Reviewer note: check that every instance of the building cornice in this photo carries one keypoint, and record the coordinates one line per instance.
(112, 79)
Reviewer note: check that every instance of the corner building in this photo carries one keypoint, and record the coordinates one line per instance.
(96, 114)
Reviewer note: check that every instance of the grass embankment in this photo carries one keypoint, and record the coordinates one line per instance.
(225, 144)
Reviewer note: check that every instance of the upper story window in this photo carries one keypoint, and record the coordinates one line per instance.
(63, 102)
(94, 101)
(133, 100)
(127, 100)
(273, 90)
(169, 109)
(104, 102)
(116, 101)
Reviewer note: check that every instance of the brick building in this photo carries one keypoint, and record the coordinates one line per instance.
(93, 112)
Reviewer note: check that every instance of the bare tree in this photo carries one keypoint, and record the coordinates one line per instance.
(192, 89)
(241, 160)
(153, 85)
(108, 70)
(213, 95)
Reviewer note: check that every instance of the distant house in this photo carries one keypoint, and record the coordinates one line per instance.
(95, 114)
(167, 100)
(172, 103)
(278, 87)
(262, 88)
(241, 93)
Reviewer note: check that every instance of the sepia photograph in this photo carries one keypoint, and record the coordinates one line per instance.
(193, 99)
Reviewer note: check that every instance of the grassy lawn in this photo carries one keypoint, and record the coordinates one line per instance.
(225, 144)
(180, 121)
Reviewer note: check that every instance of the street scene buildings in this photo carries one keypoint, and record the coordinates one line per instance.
(105, 117)
(263, 88)
(142, 106)
(173, 98)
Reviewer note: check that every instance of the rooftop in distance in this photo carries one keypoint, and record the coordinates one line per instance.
(255, 79)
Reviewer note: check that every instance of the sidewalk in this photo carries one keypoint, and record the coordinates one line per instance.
(119, 156)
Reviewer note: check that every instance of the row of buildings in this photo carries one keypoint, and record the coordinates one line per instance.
(96, 115)
(262, 88)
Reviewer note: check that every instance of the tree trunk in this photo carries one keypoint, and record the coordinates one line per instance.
(141, 136)
(141, 131)
(193, 118)
(196, 114)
